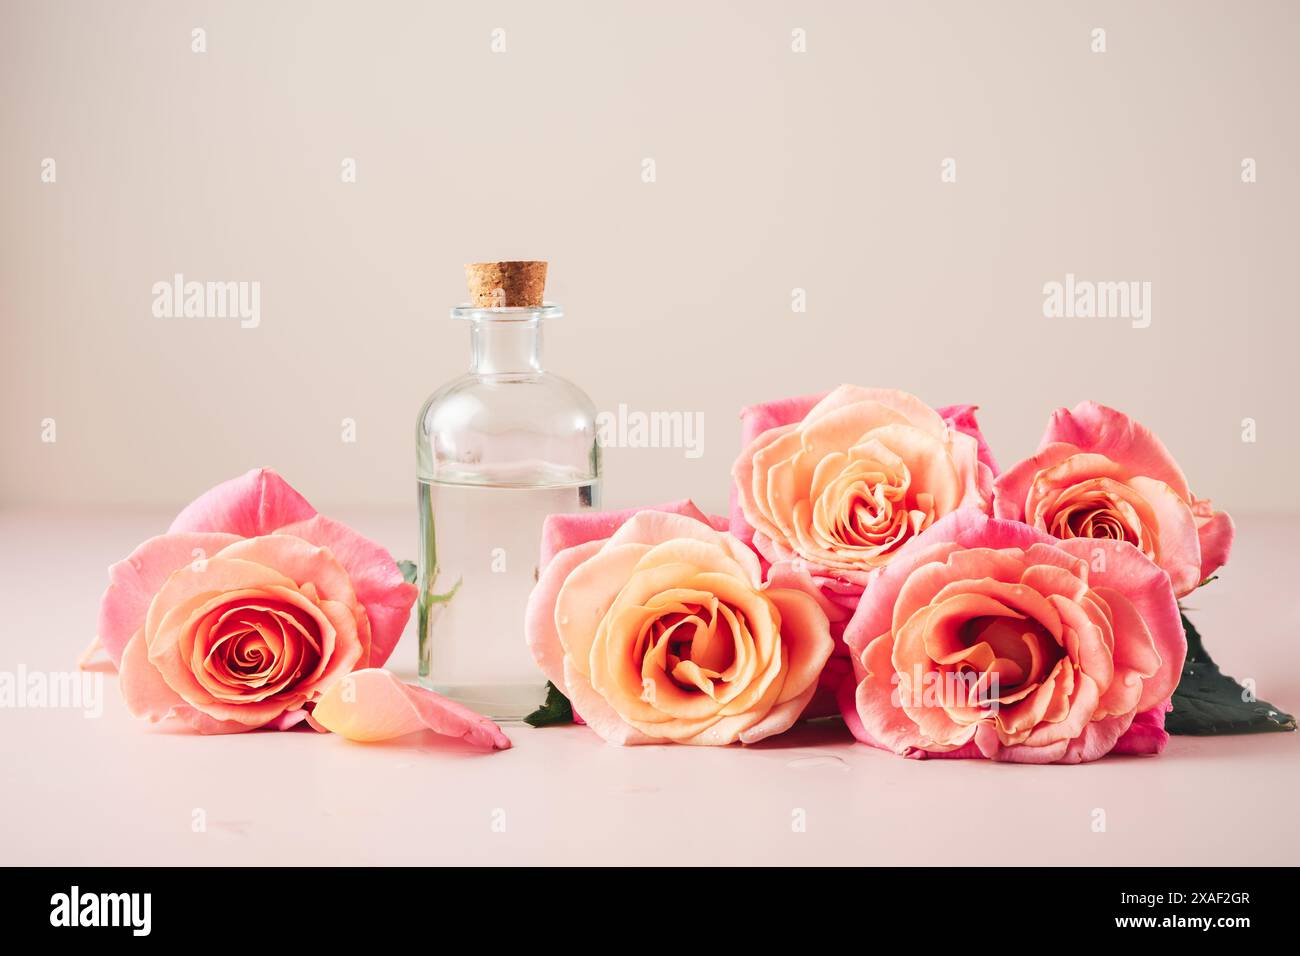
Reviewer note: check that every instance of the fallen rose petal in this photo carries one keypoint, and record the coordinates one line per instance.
(372, 704)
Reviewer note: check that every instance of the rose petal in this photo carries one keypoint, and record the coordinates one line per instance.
(95, 659)
(1147, 734)
(1178, 543)
(757, 419)
(143, 689)
(205, 724)
(1098, 739)
(779, 719)
(372, 704)
(539, 616)
(1216, 533)
(562, 531)
(376, 578)
(911, 408)
(962, 418)
(806, 635)
(1105, 431)
(255, 503)
(596, 712)
(648, 526)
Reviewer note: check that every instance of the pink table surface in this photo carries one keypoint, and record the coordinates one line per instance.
(112, 791)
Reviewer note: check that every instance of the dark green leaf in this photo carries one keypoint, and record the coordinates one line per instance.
(556, 710)
(1208, 702)
(409, 570)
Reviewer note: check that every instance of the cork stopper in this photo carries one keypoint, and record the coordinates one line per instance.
(497, 285)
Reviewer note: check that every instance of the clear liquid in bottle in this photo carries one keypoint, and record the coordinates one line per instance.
(482, 543)
(498, 449)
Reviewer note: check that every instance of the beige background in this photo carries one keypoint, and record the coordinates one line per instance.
(775, 170)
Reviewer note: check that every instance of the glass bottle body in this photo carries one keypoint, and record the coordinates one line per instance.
(498, 449)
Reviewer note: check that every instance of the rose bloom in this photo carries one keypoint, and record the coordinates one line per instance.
(989, 638)
(842, 482)
(657, 626)
(1099, 474)
(249, 608)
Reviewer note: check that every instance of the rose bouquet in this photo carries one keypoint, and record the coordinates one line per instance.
(876, 563)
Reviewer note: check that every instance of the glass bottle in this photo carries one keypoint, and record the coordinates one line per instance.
(498, 449)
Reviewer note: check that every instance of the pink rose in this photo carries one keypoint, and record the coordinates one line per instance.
(657, 626)
(843, 481)
(988, 638)
(1099, 474)
(248, 609)
(829, 487)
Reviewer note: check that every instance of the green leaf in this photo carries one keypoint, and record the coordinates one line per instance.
(409, 570)
(1208, 702)
(556, 710)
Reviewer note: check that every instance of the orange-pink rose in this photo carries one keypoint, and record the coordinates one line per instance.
(988, 638)
(843, 482)
(248, 609)
(657, 626)
(1099, 474)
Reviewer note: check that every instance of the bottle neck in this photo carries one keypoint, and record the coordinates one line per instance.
(505, 346)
